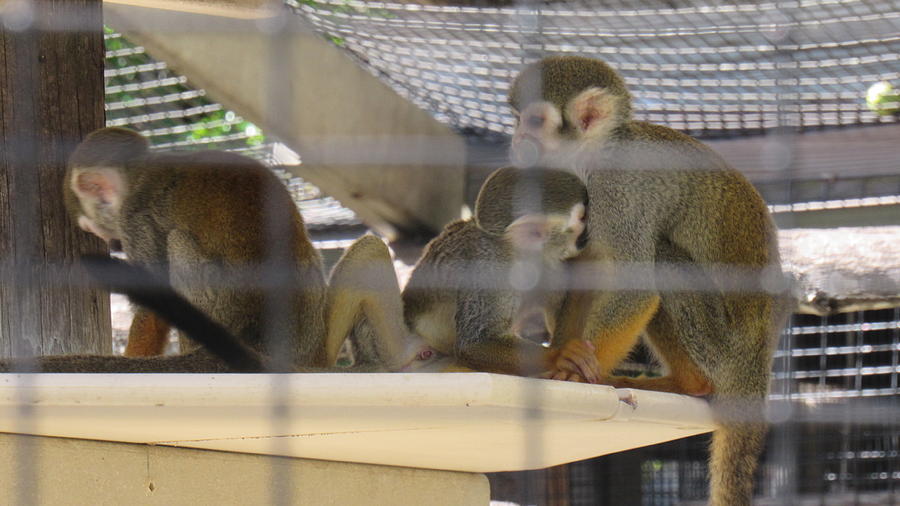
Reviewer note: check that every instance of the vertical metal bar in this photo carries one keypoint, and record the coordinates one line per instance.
(531, 42)
(858, 359)
(823, 356)
(22, 45)
(785, 434)
(280, 326)
(895, 354)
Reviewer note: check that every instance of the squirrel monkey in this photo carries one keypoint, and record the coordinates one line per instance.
(480, 278)
(199, 221)
(687, 237)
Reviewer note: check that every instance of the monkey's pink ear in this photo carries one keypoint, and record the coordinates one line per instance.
(529, 232)
(590, 110)
(576, 219)
(98, 185)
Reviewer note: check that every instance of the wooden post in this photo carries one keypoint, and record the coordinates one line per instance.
(51, 96)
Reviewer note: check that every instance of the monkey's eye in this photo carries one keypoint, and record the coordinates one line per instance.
(535, 121)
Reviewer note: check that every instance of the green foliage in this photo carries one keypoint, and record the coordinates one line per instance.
(343, 8)
(150, 97)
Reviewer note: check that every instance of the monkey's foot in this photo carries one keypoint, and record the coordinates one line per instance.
(575, 360)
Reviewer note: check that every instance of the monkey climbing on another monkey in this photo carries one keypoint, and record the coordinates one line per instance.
(680, 245)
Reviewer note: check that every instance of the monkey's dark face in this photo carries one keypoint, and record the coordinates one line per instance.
(539, 131)
(99, 192)
(96, 184)
(548, 135)
(555, 236)
(107, 234)
(564, 105)
(565, 239)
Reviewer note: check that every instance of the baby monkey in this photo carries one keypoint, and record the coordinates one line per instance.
(479, 281)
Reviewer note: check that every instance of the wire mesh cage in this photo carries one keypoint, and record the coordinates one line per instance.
(798, 95)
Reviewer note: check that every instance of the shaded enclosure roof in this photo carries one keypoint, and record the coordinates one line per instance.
(142, 93)
(701, 67)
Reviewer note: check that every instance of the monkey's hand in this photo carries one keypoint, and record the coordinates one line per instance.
(576, 360)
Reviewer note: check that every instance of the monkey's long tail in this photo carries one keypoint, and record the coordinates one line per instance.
(738, 441)
(742, 386)
(144, 289)
(733, 460)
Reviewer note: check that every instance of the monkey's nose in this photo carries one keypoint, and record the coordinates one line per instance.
(525, 153)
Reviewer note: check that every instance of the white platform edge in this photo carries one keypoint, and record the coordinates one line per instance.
(482, 422)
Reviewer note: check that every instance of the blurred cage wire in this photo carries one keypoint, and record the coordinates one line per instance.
(736, 71)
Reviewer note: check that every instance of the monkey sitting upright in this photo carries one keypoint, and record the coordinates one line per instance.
(687, 245)
(461, 296)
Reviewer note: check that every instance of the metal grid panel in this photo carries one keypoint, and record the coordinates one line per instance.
(848, 355)
(144, 94)
(704, 68)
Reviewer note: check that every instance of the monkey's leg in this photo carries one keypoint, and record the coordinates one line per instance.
(147, 290)
(364, 284)
(501, 353)
(683, 376)
(735, 356)
(342, 311)
(147, 336)
(582, 317)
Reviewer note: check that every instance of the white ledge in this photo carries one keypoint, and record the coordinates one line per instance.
(453, 421)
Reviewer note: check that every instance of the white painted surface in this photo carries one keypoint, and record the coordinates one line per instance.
(454, 421)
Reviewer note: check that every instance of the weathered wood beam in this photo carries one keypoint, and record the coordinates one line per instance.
(51, 95)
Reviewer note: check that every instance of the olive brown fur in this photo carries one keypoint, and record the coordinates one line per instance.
(681, 248)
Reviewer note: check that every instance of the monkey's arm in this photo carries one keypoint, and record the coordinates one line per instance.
(611, 324)
(147, 335)
(613, 295)
(485, 343)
